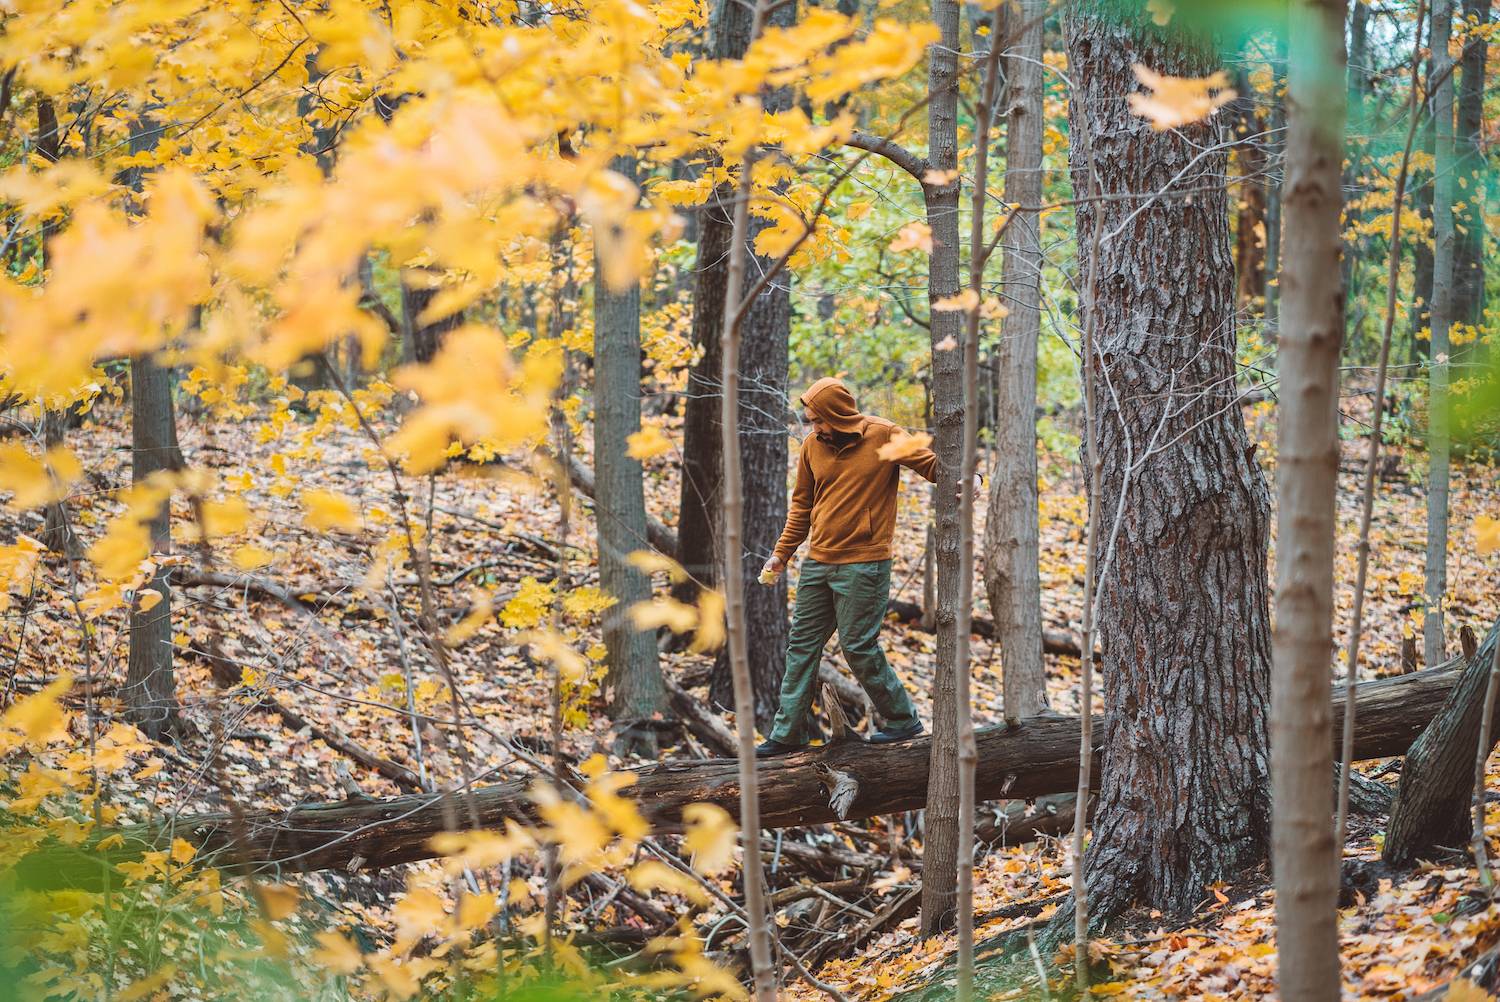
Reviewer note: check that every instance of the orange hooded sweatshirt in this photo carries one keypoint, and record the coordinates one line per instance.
(845, 498)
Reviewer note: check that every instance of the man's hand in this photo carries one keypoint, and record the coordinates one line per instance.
(772, 570)
(978, 490)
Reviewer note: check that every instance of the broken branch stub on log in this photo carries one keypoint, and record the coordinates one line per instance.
(1037, 758)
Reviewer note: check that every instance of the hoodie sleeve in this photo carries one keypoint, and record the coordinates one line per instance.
(799, 515)
(924, 462)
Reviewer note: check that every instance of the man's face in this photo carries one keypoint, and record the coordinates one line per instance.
(819, 426)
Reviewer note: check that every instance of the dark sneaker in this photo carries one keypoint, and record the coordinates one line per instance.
(890, 735)
(771, 748)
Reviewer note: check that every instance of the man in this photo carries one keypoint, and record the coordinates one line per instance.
(845, 500)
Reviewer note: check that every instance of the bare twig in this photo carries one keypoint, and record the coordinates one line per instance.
(1372, 459)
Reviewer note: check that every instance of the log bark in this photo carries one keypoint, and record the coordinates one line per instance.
(1431, 809)
(1183, 508)
(1037, 758)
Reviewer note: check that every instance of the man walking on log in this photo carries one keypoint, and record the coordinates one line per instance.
(845, 501)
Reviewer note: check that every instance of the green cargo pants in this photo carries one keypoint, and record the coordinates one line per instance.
(850, 598)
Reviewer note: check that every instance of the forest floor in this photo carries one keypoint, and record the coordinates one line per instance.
(345, 658)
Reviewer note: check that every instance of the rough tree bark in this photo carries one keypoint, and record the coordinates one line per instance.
(1184, 797)
(1468, 262)
(1037, 759)
(639, 700)
(1012, 532)
(1436, 584)
(56, 531)
(765, 331)
(940, 192)
(1421, 186)
(1431, 810)
(1304, 857)
(150, 686)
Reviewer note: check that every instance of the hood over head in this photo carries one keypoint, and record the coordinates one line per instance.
(831, 400)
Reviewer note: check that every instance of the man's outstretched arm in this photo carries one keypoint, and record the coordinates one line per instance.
(798, 517)
(925, 462)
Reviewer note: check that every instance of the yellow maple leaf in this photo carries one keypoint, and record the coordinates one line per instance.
(1161, 12)
(710, 633)
(147, 599)
(420, 912)
(654, 875)
(337, 953)
(960, 302)
(40, 717)
(1179, 101)
(912, 236)
(651, 562)
(328, 510)
(277, 900)
(221, 518)
(550, 646)
(474, 620)
(647, 442)
(710, 837)
(904, 444)
(36, 481)
(676, 616)
(475, 910)
(1486, 534)
(250, 557)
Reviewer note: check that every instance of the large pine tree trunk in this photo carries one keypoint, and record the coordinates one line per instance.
(1184, 797)
(639, 700)
(1468, 263)
(764, 331)
(1012, 533)
(1305, 858)
(940, 849)
(1436, 584)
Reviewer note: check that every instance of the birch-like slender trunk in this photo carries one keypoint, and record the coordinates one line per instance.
(1012, 533)
(1304, 856)
(941, 194)
(1438, 444)
(762, 971)
(968, 753)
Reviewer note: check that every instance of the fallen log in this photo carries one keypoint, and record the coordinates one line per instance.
(1053, 642)
(1036, 758)
(1437, 779)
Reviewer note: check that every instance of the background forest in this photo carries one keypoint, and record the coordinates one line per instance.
(399, 399)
